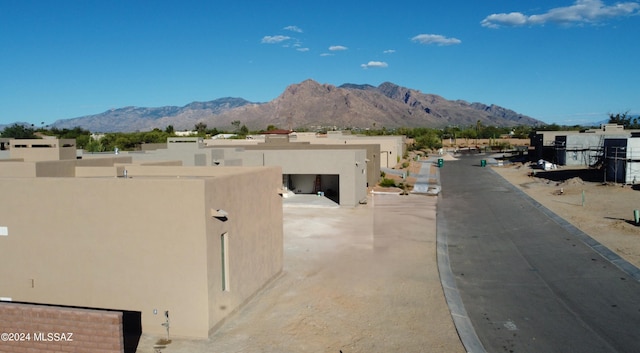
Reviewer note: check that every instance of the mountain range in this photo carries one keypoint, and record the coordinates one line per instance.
(310, 105)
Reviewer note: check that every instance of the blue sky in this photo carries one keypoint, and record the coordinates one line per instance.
(562, 61)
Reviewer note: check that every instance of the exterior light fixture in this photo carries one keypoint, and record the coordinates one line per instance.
(220, 214)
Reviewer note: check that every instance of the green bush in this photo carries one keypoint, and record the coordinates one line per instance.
(387, 183)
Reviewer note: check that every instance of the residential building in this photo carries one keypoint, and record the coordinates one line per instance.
(151, 237)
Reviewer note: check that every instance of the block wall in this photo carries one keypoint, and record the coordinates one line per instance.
(38, 328)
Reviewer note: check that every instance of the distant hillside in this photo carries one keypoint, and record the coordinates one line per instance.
(129, 119)
(311, 105)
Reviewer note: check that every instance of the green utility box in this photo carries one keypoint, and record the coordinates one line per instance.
(440, 162)
(483, 163)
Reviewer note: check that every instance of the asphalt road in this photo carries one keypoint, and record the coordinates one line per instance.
(528, 282)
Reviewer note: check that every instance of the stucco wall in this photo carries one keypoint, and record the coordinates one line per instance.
(141, 243)
(582, 149)
(373, 154)
(101, 160)
(255, 237)
(55, 149)
(112, 243)
(62, 168)
(349, 164)
(393, 145)
(17, 169)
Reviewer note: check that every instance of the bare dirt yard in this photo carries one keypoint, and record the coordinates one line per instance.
(602, 210)
(361, 279)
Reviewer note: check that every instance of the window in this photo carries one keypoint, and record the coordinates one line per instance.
(224, 246)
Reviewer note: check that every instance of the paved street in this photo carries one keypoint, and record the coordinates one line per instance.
(528, 284)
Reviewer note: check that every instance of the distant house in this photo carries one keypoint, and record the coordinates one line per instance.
(622, 159)
(43, 149)
(575, 148)
(341, 171)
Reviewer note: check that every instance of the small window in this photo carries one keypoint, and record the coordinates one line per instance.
(224, 246)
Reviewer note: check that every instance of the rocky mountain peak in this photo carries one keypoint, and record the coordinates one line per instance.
(311, 105)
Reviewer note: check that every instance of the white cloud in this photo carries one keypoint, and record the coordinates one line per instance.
(507, 19)
(582, 11)
(376, 64)
(302, 49)
(435, 39)
(327, 54)
(337, 48)
(293, 29)
(274, 39)
(389, 51)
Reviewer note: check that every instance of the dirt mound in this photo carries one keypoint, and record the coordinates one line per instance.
(573, 181)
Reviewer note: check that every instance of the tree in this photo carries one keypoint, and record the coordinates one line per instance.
(169, 130)
(94, 146)
(451, 132)
(82, 141)
(468, 134)
(212, 132)
(522, 131)
(201, 128)
(244, 130)
(625, 120)
(236, 125)
(489, 132)
(429, 139)
(17, 131)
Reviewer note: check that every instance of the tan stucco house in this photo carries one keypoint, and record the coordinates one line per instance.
(196, 242)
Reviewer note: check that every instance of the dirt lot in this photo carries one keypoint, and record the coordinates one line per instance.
(606, 213)
(363, 279)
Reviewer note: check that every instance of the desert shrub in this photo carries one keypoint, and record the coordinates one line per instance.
(387, 183)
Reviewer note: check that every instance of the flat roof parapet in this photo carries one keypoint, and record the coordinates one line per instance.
(185, 142)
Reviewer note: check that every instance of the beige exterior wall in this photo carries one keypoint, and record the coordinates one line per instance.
(390, 146)
(393, 146)
(17, 169)
(38, 169)
(349, 164)
(63, 168)
(255, 239)
(372, 157)
(102, 160)
(357, 165)
(43, 149)
(142, 243)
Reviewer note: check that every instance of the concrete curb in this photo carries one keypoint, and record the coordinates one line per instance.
(461, 320)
